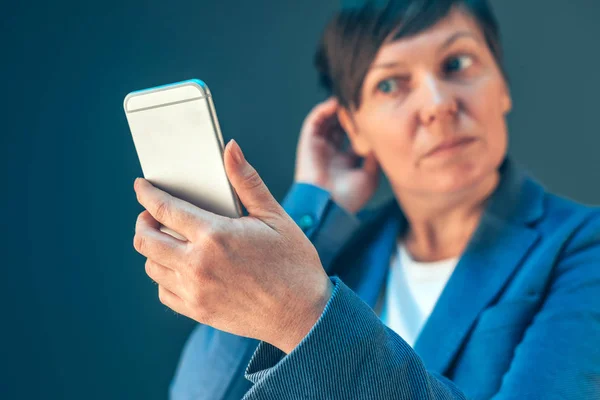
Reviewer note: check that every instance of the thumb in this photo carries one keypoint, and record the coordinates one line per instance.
(249, 186)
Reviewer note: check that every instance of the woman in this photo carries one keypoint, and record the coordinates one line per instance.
(473, 282)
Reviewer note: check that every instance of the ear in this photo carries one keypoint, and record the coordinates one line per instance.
(358, 141)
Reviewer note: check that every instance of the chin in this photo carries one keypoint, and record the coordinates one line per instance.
(460, 176)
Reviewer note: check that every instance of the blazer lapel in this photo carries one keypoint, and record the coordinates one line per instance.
(495, 251)
(477, 280)
(364, 260)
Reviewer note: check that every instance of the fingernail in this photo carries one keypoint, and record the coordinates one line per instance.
(135, 183)
(237, 154)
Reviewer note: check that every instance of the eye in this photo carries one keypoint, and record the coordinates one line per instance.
(388, 86)
(393, 84)
(458, 63)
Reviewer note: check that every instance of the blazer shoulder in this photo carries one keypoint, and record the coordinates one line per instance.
(562, 212)
(575, 229)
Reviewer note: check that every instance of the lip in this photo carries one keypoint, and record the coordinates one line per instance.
(451, 145)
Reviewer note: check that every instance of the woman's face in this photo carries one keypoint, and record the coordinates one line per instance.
(441, 87)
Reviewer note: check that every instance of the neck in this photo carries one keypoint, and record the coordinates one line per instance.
(440, 226)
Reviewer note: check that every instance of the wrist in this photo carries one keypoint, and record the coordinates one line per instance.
(351, 207)
(302, 319)
(313, 177)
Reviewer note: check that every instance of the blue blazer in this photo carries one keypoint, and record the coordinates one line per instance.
(518, 319)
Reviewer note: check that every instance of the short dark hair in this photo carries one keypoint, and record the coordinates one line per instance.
(353, 37)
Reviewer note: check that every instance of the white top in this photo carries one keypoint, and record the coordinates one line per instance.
(411, 291)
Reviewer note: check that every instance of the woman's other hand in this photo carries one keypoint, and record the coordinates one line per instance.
(322, 160)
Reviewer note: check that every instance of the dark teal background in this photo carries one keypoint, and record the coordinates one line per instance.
(80, 319)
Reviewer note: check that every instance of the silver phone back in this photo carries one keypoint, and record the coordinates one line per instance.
(179, 144)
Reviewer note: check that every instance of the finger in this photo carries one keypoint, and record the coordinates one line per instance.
(145, 221)
(162, 275)
(171, 211)
(326, 107)
(171, 300)
(335, 135)
(323, 112)
(154, 244)
(248, 184)
(328, 125)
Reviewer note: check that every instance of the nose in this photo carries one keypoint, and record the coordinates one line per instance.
(439, 104)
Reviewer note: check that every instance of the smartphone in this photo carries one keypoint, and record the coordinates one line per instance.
(180, 146)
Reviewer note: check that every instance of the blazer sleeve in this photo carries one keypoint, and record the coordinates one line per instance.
(350, 354)
(324, 222)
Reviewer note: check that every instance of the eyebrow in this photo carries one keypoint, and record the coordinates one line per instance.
(444, 46)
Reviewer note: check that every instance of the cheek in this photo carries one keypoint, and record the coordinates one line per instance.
(393, 141)
(485, 110)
